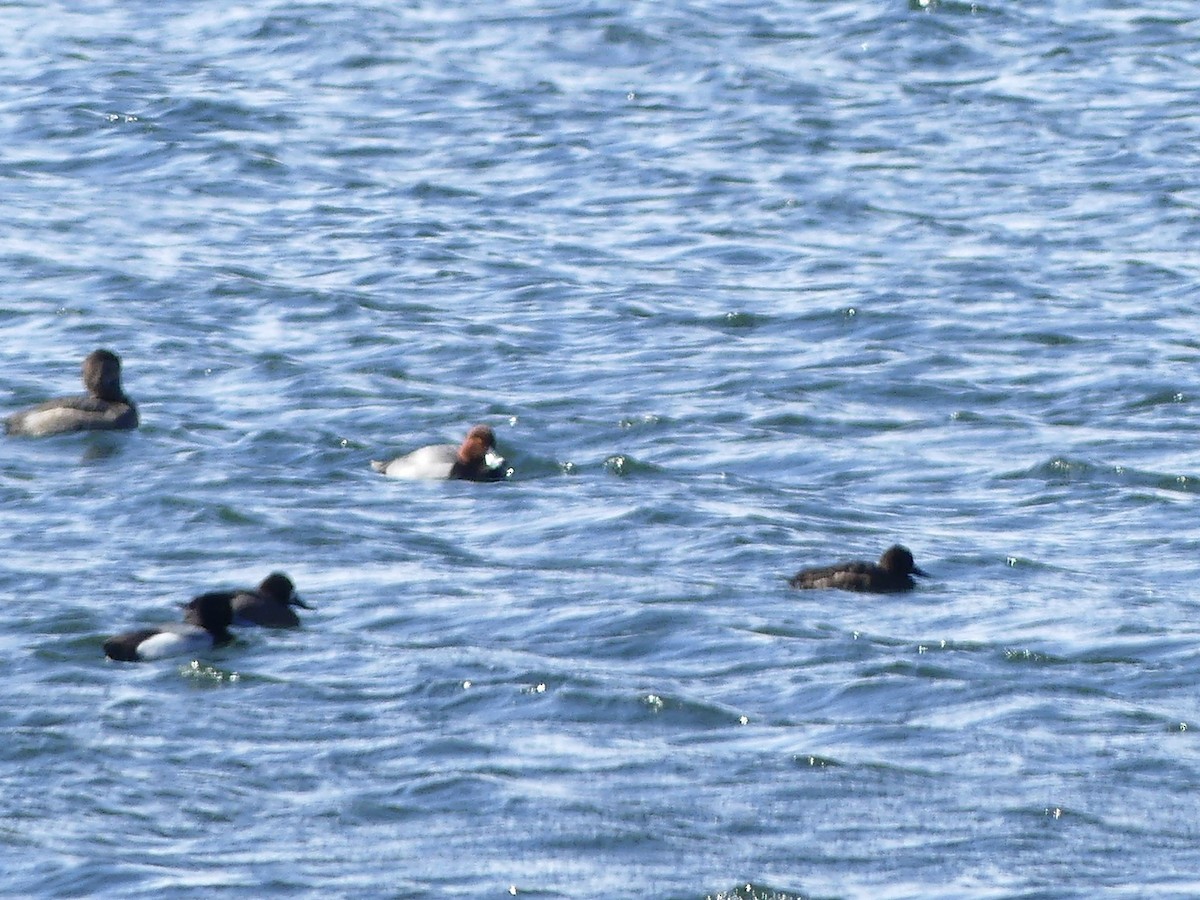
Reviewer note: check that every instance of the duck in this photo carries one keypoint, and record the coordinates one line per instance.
(473, 460)
(269, 605)
(207, 628)
(892, 574)
(104, 407)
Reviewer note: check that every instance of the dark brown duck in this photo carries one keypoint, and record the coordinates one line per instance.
(268, 605)
(103, 408)
(893, 573)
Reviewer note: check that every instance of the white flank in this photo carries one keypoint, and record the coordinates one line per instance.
(432, 462)
(174, 643)
(50, 421)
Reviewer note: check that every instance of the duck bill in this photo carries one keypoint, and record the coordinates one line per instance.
(295, 600)
(919, 571)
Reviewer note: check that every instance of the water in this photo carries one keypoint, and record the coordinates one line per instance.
(743, 288)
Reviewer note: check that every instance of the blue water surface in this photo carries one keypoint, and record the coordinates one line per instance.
(742, 288)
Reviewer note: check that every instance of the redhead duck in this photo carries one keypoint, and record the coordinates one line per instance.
(474, 460)
(207, 628)
(269, 605)
(891, 574)
(104, 408)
